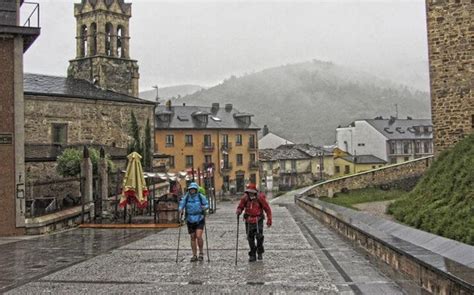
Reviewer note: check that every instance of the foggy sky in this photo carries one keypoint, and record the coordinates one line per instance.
(193, 42)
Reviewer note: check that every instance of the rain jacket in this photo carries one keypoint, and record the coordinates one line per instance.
(254, 208)
(195, 206)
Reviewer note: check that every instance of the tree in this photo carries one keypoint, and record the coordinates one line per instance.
(69, 162)
(135, 145)
(147, 148)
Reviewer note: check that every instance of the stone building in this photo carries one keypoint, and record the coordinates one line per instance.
(203, 137)
(15, 39)
(91, 106)
(103, 46)
(294, 165)
(450, 41)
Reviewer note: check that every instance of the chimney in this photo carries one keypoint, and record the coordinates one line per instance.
(215, 107)
(392, 120)
(228, 107)
(184, 104)
(168, 104)
(265, 130)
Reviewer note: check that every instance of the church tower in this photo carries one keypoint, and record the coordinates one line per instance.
(103, 46)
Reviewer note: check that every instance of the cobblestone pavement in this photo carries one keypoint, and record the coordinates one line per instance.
(302, 256)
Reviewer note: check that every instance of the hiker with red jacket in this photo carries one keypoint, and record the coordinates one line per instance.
(253, 204)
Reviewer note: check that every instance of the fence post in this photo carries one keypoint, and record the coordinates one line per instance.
(86, 172)
(103, 181)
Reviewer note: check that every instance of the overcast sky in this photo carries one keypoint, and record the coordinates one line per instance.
(195, 42)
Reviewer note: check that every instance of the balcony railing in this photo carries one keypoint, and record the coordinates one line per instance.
(34, 16)
(252, 146)
(226, 167)
(225, 146)
(253, 165)
(208, 147)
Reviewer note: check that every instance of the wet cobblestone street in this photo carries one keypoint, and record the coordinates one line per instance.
(144, 262)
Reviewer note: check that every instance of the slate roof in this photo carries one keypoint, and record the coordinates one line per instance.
(309, 149)
(364, 159)
(403, 128)
(281, 154)
(37, 84)
(187, 117)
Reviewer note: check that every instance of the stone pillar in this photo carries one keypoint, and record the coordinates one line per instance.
(80, 50)
(86, 174)
(103, 179)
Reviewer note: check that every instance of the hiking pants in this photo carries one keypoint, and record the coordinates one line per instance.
(255, 232)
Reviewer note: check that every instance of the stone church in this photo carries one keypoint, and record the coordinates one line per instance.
(91, 106)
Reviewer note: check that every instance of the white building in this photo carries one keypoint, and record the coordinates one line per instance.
(272, 141)
(393, 140)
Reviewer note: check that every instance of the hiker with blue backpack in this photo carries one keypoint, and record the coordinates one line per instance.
(194, 206)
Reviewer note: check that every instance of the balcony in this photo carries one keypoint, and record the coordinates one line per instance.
(226, 167)
(208, 147)
(226, 146)
(252, 146)
(253, 165)
(9, 23)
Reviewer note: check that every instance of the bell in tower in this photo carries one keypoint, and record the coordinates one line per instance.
(103, 46)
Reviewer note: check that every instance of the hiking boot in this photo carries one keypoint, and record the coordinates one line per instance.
(201, 257)
(194, 258)
(259, 256)
(252, 258)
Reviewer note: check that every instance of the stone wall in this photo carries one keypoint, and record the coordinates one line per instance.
(402, 176)
(450, 36)
(89, 121)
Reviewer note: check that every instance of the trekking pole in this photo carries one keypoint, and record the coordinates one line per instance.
(207, 244)
(237, 242)
(179, 237)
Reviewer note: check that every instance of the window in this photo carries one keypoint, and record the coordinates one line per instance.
(93, 45)
(207, 140)
(282, 165)
(393, 160)
(208, 159)
(59, 133)
(83, 48)
(252, 158)
(337, 169)
(189, 161)
(188, 140)
(373, 166)
(225, 158)
(225, 139)
(361, 144)
(270, 165)
(169, 140)
(406, 159)
(252, 141)
(293, 164)
(393, 148)
(238, 139)
(239, 159)
(417, 147)
(108, 39)
(406, 147)
(171, 158)
(427, 147)
(347, 169)
(120, 37)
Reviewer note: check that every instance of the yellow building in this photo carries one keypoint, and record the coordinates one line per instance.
(222, 141)
(354, 164)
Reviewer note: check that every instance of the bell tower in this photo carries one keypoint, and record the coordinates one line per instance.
(103, 46)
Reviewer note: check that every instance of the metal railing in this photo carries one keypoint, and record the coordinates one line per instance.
(35, 14)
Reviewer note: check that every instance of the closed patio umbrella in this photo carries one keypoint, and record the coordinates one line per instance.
(134, 189)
